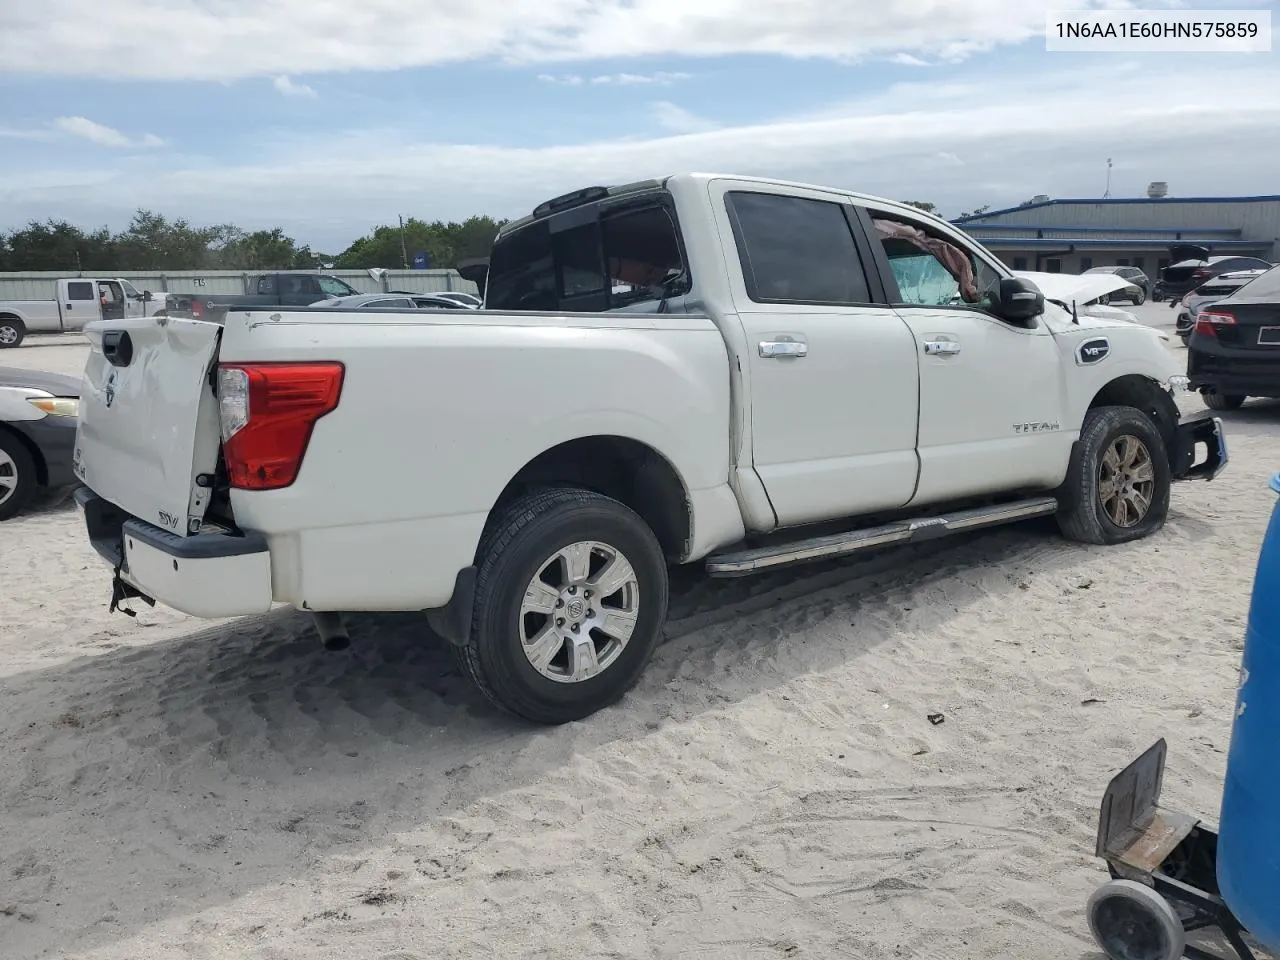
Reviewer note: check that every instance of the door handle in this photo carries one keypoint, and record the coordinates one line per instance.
(772, 349)
(941, 348)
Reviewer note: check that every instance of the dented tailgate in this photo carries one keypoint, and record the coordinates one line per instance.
(148, 433)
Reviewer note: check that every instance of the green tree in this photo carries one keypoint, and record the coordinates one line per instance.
(924, 205)
(57, 245)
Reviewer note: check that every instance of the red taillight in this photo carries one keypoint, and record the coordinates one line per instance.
(267, 412)
(197, 309)
(1208, 321)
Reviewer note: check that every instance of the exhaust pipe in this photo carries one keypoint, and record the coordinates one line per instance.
(333, 632)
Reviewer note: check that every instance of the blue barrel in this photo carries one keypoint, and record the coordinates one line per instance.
(1249, 828)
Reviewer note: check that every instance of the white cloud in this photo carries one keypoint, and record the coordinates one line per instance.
(240, 38)
(568, 79)
(288, 88)
(679, 120)
(907, 60)
(639, 79)
(956, 144)
(102, 135)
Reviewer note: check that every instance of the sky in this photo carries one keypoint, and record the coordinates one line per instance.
(329, 117)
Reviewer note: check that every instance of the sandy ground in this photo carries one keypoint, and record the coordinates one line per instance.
(173, 788)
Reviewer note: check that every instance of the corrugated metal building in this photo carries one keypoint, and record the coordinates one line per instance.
(1070, 236)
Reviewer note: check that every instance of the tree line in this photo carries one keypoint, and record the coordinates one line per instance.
(154, 242)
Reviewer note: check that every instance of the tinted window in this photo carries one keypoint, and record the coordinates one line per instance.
(522, 271)
(1265, 286)
(795, 249)
(266, 284)
(402, 302)
(80, 290)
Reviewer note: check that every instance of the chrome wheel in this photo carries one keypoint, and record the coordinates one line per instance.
(579, 612)
(9, 478)
(8, 334)
(1127, 481)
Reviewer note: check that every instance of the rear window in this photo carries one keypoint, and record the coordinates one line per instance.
(577, 261)
(1265, 286)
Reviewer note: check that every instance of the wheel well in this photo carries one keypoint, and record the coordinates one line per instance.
(624, 469)
(42, 469)
(1142, 393)
(13, 316)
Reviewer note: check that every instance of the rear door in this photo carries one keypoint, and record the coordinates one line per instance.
(833, 374)
(148, 430)
(78, 302)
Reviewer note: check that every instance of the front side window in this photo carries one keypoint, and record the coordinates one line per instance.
(932, 271)
(334, 287)
(797, 250)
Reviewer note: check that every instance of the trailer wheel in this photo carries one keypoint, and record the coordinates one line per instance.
(1130, 921)
(12, 331)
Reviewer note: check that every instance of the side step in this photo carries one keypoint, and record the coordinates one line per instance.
(744, 562)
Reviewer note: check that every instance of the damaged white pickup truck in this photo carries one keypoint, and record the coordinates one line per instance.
(706, 369)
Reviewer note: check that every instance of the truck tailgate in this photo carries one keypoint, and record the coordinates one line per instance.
(148, 433)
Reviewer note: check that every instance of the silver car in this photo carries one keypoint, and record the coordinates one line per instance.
(396, 301)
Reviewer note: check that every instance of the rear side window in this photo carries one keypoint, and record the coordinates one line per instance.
(79, 290)
(796, 250)
(266, 284)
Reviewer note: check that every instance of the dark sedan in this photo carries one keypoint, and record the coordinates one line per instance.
(1234, 352)
(38, 416)
(1208, 294)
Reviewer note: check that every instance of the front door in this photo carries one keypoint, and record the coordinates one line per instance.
(992, 393)
(831, 376)
(111, 297)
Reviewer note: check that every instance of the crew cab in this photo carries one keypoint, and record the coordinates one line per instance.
(704, 369)
(281, 289)
(78, 301)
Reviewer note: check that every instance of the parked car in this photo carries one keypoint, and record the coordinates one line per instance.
(1234, 351)
(734, 372)
(393, 300)
(79, 300)
(1136, 278)
(466, 299)
(1206, 294)
(37, 434)
(1194, 266)
(281, 289)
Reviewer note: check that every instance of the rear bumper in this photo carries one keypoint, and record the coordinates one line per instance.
(1190, 433)
(210, 575)
(1230, 372)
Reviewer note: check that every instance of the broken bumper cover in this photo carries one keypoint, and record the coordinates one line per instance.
(1188, 435)
(209, 575)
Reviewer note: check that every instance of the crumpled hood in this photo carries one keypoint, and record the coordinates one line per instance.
(56, 384)
(1082, 288)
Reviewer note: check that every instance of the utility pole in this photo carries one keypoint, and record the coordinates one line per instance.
(404, 251)
(1107, 194)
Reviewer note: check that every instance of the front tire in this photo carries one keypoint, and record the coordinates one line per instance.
(12, 332)
(1117, 487)
(571, 596)
(1140, 298)
(18, 480)
(1221, 401)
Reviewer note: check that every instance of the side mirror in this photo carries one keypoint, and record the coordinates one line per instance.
(1020, 300)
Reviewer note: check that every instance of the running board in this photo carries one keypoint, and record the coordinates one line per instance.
(744, 562)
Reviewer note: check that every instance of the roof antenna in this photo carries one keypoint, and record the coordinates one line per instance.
(1107, 194)
(1075, 317)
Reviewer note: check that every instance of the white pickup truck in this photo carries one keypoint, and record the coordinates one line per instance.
(720, 370)
(79, 301)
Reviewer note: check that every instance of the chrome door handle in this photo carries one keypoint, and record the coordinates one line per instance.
(770, 349)
(941, 348)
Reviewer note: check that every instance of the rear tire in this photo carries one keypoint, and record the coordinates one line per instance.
(1118, 483)
(521, 653)
(1130, 921)
(1221, 401)
(18, 480)
(12, 331)
(1140, 298)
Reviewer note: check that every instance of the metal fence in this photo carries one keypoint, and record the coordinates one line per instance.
(42, 285)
